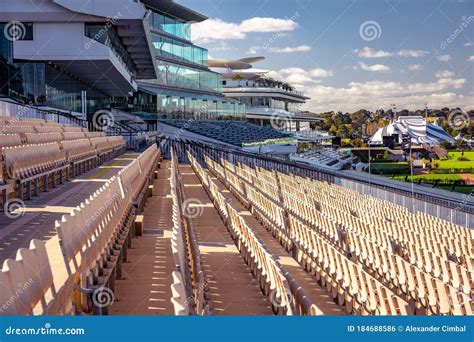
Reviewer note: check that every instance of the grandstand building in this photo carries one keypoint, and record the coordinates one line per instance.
(267, 101)
(130, 55)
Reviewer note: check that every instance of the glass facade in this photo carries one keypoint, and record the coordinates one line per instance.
(169, 25)
(176, 75)
(267, 102)
(177, 107)
(178, 50)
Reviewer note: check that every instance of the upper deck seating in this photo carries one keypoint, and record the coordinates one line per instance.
(232, 132)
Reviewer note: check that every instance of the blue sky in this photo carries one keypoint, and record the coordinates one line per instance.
(402, 57)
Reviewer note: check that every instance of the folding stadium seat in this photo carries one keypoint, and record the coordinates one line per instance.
(9, 140)
(74, 135)
(39, 138)
(32, 122)
(49, 129)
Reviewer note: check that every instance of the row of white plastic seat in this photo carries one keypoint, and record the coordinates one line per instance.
(263, 265)
(192, 273)
(43, 280)
(438, 298)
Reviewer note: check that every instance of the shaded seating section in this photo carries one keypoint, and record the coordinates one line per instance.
(373, 256)
(34, 154)
(231, 132)
(324, 156)
(67, 274)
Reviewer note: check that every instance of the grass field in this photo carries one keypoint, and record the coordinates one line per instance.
(455, 155)
(453, 165)
(390, 168)
(431, 178)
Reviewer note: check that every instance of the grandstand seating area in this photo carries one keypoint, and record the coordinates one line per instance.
(371, 255)
(36, 153)
(66, 274)
(324, 156)
(243, 240)
(231, 132)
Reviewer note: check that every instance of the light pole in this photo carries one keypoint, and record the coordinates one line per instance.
(407, 140)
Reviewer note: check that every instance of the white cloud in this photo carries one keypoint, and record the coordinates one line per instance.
(468, 44)
(299, 76)
(252, 51)
(259, 24)
(415, 67)
(318, 72)
(216, 29)
(380, 94)
(367, 52)
(300, 48)
(443, 58)
(444, 74)
(470, 59)
(374, 68)
(412, 53)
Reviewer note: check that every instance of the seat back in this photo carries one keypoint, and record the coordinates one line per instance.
(39, 138)
(9, 140)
